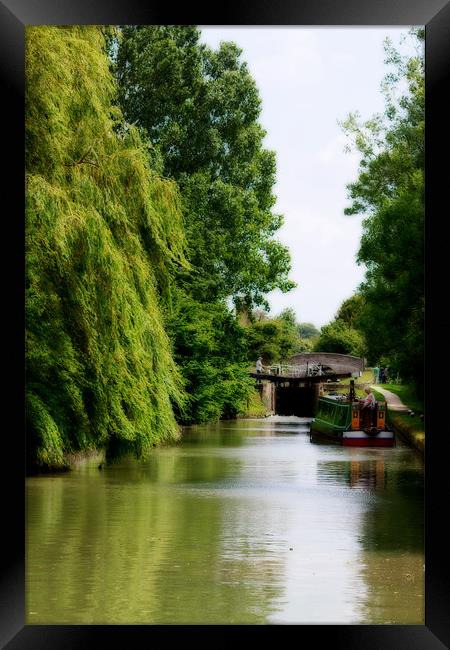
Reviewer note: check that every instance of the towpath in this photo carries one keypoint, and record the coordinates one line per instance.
(393, 401)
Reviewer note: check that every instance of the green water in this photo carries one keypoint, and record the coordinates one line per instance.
(243, 522)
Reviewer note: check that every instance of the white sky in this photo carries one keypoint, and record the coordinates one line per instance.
(309, 78)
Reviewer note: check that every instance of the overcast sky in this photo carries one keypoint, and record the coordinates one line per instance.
(309, 78)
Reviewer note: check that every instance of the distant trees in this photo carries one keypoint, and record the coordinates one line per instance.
(337, 336)
(308, 331)
(389, 190)
(271, 339)
(275, 338)
(343, 334)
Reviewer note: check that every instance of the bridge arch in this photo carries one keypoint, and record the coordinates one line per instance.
(339, 363)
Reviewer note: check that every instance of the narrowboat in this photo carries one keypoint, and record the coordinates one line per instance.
(343, 422)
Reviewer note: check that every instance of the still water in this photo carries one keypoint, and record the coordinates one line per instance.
(242, 522)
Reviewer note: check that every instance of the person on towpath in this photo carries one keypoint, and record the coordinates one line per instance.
(376, 375)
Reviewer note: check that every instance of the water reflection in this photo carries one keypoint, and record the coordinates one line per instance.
(244, 522)
(391, 537)
(368, 474)
(365, 474)
(134, 544)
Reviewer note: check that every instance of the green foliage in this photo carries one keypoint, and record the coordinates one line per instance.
(301, 336)
(350, 312)
(408, 395)
(103, 238)
(275, 339)
(266, 339)
(255, 406)
(338, 337)
(209, 347)
(390, 191)
(307, 330)
(200, 108)
(44, 444)
(343, 334)
(289, 318)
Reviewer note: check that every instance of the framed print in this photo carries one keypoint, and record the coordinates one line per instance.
(123, 148)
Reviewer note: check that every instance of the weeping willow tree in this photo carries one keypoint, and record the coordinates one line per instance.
(104, 234)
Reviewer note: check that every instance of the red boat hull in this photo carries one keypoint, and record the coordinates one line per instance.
(361, 439)
(374, 442)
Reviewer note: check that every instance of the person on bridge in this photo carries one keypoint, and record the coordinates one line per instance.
(259, 366)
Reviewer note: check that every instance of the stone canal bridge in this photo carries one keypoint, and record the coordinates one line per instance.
(334, 362)
(294, 388)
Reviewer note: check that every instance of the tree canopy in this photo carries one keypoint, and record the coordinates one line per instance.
(200, 109)
(149, 206)
(307, 330)
(339, 337)
(389, 190)
(276, 338)
(104, 235)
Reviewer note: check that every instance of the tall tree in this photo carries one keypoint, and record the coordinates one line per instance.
(200, 108)
(103, 237)
(390, 192)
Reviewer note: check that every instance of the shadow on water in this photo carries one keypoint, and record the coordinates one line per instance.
(134, 544)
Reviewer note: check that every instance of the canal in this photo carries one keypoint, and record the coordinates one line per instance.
(242, 522)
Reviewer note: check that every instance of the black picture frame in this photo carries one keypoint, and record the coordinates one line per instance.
(14, 15)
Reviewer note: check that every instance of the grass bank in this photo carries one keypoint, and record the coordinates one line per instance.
(408, 396)
(410, 427)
